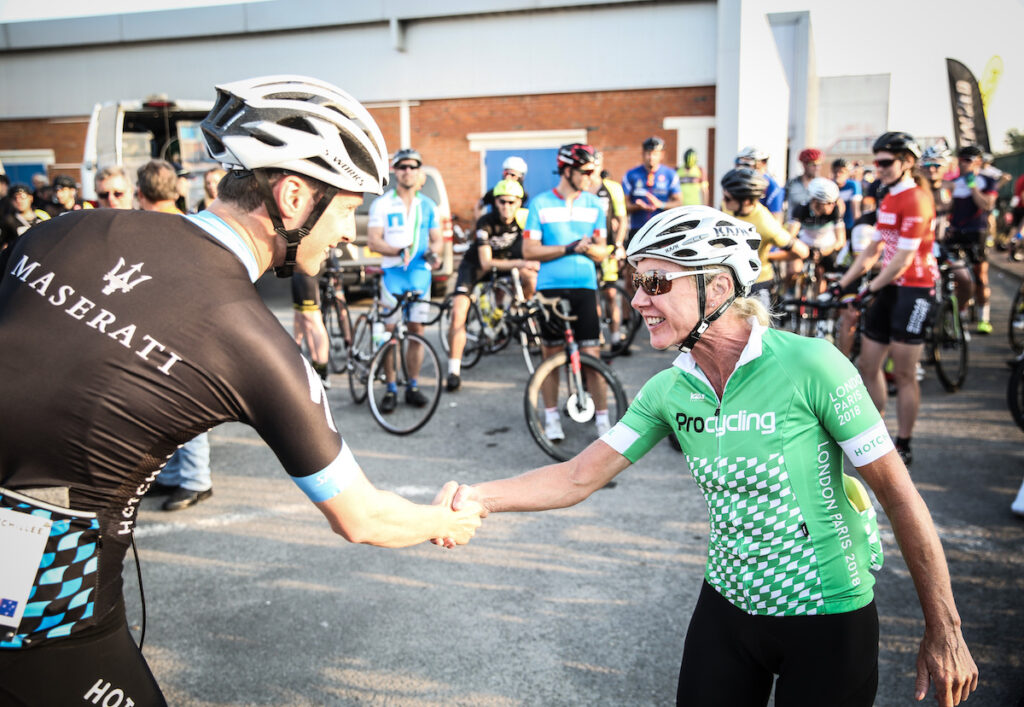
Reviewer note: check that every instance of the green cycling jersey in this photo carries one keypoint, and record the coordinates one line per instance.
(785, 539)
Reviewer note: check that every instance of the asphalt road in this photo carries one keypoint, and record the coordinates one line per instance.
(251, 600)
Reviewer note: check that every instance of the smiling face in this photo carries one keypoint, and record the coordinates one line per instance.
(670, 316)
(336, 224)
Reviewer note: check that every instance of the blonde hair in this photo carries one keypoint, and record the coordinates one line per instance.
(742, 307)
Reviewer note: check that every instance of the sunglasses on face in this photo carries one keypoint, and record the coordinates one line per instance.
(885, 164)
(931, 165)
(586, 172)
(506, 202)
(405, 167)
(659, 282)
(108, 194)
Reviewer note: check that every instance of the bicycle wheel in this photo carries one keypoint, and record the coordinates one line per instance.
(359, 355)
(1016, 330)
(949, 348)
(577, 408)
(407, 415)
(1015, 393)
(336, 322)
(473, 349)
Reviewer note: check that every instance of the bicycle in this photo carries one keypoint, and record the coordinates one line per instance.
(396, 357)
(1015, 392)
(334, 311)
(1016, 328)
(619, 321)
(575, 398)
(945, 341)
(486, 332)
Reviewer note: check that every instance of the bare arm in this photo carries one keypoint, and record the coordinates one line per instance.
(943, 656)
(533, 249)
(899, 263)
(554, 486)
(488, 261)
(375, 241)
(862, 264)
(364, 514)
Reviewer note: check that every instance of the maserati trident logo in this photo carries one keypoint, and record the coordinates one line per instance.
(122, 281)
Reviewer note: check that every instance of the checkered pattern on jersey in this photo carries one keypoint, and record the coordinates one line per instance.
(62, 596)
(759, 557)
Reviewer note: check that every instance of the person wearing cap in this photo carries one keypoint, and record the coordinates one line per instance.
(128, 332)
(65, 197)
(693, 182)
(112, 188)
(21, 216)
(404, 228)
(513, 168)
(650, 187)
(497, 243)
(974, 197)
(774, 198)
(797, 193)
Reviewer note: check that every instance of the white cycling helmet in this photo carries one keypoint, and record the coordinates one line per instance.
(936, 153)
(823, 189)
(516, 164)
(698, 236)
(752, 152)
(300, 124)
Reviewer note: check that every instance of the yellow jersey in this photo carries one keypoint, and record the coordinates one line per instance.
(772, 234)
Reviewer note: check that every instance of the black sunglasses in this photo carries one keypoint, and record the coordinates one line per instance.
(108, 194)
(659, 282)
(885, 164)
(506, 202)
(404, 167)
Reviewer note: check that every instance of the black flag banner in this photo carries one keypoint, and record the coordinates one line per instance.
(969, 124)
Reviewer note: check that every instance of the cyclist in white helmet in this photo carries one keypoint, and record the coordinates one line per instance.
(819, 224)
(151, 333)
(512, 169)
(764, 418)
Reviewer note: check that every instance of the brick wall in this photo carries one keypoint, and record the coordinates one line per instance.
(65, 136)
(616, 123)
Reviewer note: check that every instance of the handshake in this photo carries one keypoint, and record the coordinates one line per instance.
(461, 514)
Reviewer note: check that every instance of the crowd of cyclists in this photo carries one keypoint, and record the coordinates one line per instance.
(133, 393)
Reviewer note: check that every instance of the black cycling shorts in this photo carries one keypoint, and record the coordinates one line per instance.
(103, 667)
(305, 293)
(467, 277)
(731, 657)
(899, 314)
(973, 245)
(586, 327)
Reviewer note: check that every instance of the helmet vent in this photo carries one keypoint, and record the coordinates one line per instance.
(265, 138)
(721, 242)
(299, 123)
(216, 147)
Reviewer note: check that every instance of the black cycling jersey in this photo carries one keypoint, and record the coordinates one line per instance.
(803, 214)
(505, 239)
(123, 334)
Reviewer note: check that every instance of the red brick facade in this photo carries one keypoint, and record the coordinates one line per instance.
(616, 122)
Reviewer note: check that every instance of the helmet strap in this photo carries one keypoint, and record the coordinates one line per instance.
(705, 321)
(291, 236)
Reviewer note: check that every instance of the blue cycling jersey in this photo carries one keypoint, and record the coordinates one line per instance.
(555, 221)
(774, 195)
(662, 183)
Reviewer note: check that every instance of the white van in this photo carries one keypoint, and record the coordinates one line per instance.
(132, 132)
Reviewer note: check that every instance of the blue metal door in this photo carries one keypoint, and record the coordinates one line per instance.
(540, 173)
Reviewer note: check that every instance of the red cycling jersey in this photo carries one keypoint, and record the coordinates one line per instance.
(906, 221)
